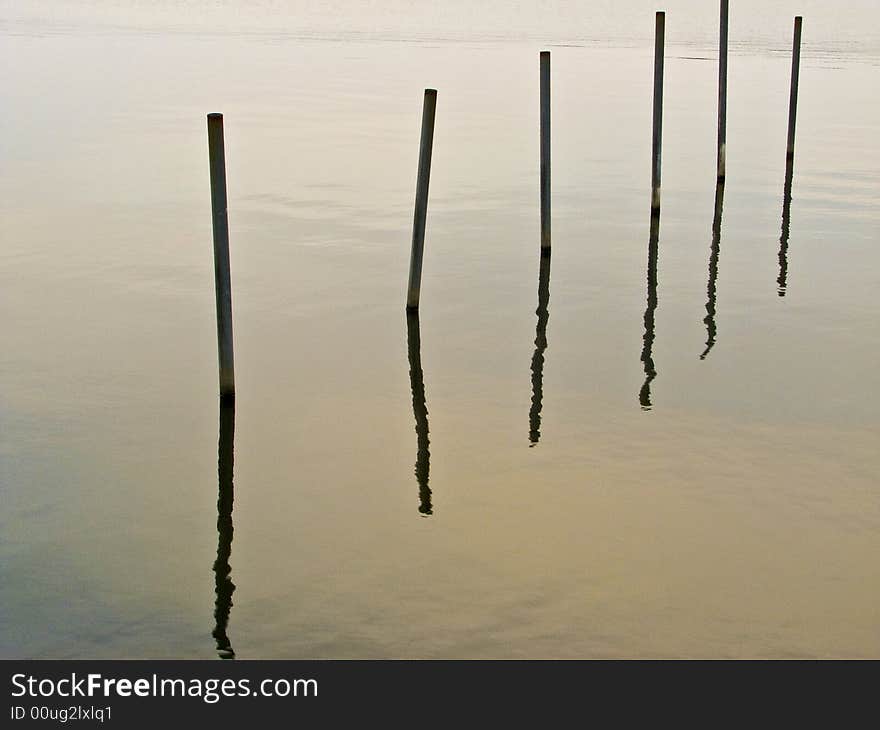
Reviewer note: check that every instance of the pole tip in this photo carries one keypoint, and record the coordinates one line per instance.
(430, 92)
(215, 115)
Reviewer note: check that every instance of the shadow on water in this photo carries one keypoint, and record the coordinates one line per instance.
(786, 217)
(223, 585)
(714, 252)
(420, 410)
(540, 347)
(648, 339)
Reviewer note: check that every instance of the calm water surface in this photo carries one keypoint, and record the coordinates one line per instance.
(660, 443)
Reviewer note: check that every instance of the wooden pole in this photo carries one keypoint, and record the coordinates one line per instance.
(657, 140)
(222, 282)
(795, 74)
(722, 93)
(545, 150)
(421, 207)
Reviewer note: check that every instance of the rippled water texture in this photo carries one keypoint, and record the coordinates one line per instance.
(657, 442)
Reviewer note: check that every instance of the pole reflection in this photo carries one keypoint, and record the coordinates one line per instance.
(223, 585)
(786, 218)
(420, 411)
(715, 251)
(647, 357)
(540, 346)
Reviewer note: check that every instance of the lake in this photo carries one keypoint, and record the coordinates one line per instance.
(609, 454)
